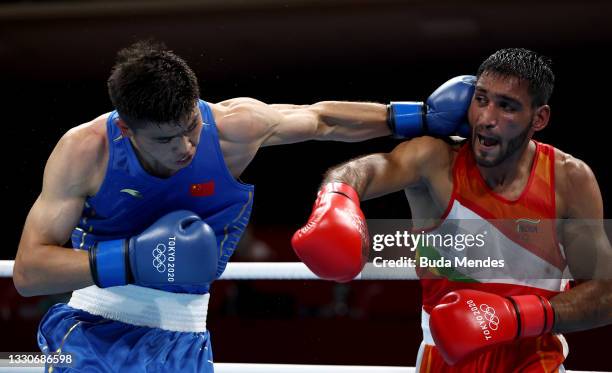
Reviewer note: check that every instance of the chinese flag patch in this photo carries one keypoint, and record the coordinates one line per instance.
(203, 189)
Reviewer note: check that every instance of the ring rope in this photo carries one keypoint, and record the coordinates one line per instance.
(278, 271)
(285, 368)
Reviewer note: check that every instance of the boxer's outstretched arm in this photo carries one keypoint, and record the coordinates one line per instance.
(588, 252)
(329, 120)
(42, 265)
(248, 120)
(410, 163)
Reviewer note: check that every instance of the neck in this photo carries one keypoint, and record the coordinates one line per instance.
(511, 169)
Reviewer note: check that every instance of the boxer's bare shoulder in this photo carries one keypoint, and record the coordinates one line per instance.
(81, 156)
(236, 119)
(429, 154)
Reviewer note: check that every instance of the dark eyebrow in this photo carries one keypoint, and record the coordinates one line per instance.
(509, 99)
(501, 97)
(192, 126)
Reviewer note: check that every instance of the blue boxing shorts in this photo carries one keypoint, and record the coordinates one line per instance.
(129, 329)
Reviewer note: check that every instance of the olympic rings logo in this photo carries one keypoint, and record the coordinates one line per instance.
(489, 315)
(159, 258)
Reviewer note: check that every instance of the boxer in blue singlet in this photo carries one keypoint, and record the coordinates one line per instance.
(149, 196)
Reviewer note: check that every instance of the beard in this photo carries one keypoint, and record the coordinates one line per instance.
(513, 145)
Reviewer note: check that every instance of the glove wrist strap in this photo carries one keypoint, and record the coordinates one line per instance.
(342, 188)
(535, 315)
(108, 262)
(407, 119)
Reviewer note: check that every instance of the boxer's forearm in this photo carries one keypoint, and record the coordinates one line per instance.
(51, 270)
(350, 121)
(587, 306)
(356, 173)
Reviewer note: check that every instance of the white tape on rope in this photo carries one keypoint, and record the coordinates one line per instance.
(277, 271)
(6, 268)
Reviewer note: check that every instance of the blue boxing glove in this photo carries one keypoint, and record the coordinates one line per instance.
(444, 113)
(178, 249)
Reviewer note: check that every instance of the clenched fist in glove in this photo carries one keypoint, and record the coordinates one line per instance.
(334, 243)
(469, 321)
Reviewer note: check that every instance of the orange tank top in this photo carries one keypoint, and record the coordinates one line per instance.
(521, 233)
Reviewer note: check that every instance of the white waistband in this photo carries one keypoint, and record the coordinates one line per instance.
(141, 306)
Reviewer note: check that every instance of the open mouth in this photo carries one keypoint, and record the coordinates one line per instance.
(486, 141)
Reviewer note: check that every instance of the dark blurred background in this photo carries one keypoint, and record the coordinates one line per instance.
(55, 58)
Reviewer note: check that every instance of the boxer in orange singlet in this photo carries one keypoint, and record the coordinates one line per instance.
(498, 175)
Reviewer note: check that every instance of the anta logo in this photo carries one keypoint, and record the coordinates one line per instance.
(132, 192)
(204, 189)
(527, 225)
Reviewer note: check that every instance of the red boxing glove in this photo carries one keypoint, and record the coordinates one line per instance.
(468, 321)
(334, 243)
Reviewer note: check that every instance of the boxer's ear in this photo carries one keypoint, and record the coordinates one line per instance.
(541, 118)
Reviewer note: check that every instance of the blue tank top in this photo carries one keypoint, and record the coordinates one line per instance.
(130, 199)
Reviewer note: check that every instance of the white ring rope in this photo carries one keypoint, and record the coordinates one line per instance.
(267, 368)
(281, 368)
(277, 271)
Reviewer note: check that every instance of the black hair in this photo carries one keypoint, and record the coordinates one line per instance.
(151, 84)
(523, 64)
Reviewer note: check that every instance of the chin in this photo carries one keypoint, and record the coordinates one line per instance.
(173, 168)
(483, 162)
(489, 160)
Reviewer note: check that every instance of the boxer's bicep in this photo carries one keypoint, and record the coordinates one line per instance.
(53, 217)
(586, 244)
(588, 254)
(290, 125)
(58, 208)
(249, 121)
